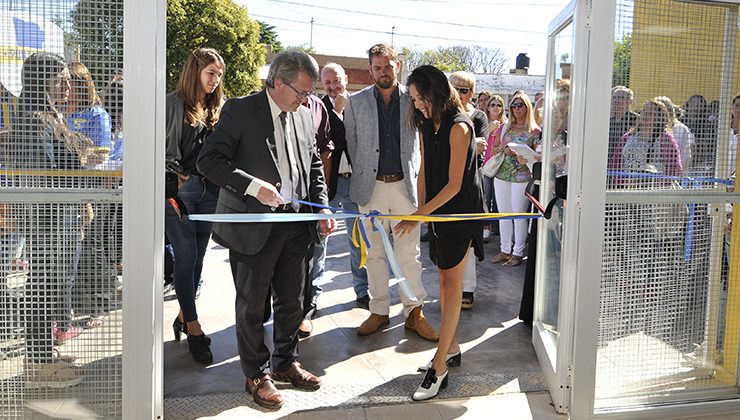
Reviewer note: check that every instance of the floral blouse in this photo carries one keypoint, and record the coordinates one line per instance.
(511, 170)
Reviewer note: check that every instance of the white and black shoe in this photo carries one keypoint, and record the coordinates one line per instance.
(452, 360)
(430, 386)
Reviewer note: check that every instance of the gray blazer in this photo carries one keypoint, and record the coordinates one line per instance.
(361, 123)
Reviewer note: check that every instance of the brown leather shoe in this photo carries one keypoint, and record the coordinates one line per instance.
(418, 323)
(513, 261)
(264, 392)
(305, 329)
(372, 324)
(501, 257)
(299, 377)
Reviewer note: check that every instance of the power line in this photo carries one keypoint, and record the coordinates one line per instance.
(400, 33)
(488, 3)
(464, 25)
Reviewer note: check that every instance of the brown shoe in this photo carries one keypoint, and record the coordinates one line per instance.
(513, 261)
(299, 377)
(500, 257)
(418, 323)
(264, 392)
(305, 329)
(372, 324)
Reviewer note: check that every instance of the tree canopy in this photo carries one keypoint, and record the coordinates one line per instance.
(458, 57)
(219, 24)
(269, 36)
(622, 61)
(97, 30)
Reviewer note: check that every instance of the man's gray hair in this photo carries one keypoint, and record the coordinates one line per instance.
(287, 64)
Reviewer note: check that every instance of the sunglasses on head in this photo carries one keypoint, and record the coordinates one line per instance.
(518, 105)
(462, 90)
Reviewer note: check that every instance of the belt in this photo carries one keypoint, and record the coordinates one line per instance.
(345, 174)
(389, 178)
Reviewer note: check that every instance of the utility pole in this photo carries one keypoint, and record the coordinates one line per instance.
(393, 31)
(310, 42)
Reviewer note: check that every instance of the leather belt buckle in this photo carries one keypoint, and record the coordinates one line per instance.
(389, 178)
(345, 174)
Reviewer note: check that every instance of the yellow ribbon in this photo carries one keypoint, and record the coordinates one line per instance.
(359, 242)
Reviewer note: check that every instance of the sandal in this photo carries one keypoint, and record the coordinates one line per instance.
(513, 261)
(95, 321)
(467, 300)
(500, 257)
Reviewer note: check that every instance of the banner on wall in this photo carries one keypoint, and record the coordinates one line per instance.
(22, 34)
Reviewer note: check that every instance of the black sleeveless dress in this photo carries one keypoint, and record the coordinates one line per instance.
(449, 241)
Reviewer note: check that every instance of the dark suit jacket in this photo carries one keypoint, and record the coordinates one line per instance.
(340, 145)
(242, 147)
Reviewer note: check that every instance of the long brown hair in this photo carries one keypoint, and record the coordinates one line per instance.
(189, 88)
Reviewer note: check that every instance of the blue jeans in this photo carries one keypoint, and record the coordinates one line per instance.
(190, 239)
(341, 198)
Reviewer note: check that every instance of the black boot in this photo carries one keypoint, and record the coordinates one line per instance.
(199, 348)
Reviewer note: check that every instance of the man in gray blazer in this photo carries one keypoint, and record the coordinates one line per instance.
(262, 154)
(384, 149)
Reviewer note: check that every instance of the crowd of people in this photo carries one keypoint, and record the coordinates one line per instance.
(415, 148)
(62, 132)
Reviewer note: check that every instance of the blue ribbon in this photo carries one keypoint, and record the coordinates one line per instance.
(682, 179)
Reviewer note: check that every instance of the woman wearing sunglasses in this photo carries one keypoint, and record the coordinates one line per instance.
(512, 177)
(496, 120)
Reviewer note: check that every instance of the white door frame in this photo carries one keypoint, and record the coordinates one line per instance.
(143, 206)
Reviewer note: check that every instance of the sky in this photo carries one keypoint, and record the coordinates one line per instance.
(350, 27)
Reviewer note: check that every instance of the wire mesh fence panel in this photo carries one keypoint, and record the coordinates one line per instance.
(61, 139)
(668, 308)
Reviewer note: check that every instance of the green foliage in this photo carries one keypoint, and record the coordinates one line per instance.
(268, 36)
(97, 30)
(459, 57)
(219, 24)
(303, 47)
(622, 61)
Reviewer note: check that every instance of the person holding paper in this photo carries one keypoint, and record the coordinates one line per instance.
(512, 178)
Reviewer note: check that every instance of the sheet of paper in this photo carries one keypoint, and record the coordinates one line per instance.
(523, 150)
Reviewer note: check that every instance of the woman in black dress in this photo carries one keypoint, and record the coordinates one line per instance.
(447, 184)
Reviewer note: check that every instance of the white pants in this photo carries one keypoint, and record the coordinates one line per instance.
(392, 198)
(510, 198)
(470, 278)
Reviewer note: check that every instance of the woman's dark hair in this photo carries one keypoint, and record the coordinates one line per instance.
(38, 69)
(433, 86)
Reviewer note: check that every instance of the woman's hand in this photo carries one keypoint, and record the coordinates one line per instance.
(480, 145)
(181, 180)
(404, 227)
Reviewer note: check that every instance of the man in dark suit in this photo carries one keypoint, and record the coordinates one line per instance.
(334, 79)
(262, 155)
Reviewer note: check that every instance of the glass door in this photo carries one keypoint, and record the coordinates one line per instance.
(549, 328)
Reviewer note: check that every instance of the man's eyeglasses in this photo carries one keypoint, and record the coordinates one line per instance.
(300, 94)
(517, 105)
(462, 90)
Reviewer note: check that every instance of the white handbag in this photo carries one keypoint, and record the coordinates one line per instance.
(492, 165)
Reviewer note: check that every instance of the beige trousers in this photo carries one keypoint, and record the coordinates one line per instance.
(392, 198)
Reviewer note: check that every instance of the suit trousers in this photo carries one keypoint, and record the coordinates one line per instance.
(278, 268)
(392, 198)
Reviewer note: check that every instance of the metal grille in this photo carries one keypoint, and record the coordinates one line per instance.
(668, 315)
(61, 211)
